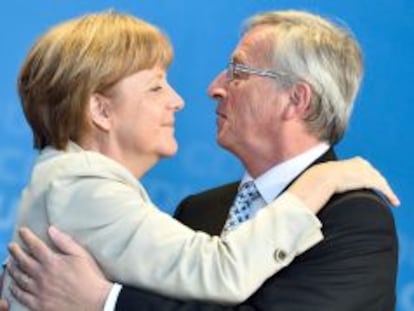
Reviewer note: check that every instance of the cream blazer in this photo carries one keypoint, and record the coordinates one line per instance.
(102, 205)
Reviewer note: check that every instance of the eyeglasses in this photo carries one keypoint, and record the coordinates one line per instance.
(233, 69)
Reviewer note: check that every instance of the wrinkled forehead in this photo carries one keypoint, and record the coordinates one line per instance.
(255, 47)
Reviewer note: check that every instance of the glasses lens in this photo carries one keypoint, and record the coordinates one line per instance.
(230, 71)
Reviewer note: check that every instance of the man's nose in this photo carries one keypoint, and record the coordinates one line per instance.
(216, 89)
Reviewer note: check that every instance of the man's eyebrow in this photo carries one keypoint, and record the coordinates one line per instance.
(236, 58)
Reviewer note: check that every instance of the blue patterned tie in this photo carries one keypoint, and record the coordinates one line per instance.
(240, 210)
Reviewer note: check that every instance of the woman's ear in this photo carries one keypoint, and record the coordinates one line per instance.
(99, 111)
(299, 101)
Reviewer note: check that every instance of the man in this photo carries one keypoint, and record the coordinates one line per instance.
(283, 102)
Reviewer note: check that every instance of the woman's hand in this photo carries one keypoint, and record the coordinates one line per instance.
(321, 181)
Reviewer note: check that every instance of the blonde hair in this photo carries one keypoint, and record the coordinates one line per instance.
(78, 58)
(321, 53)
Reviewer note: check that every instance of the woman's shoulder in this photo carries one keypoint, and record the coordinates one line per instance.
(74, 162)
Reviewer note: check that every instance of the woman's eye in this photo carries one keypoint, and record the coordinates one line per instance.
(156, 88)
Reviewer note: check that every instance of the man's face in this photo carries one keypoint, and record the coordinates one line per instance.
(249, 107)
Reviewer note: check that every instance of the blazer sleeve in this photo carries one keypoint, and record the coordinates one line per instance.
(354, 268)
(138, 245)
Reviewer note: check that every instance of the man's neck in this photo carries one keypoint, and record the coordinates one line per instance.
(272, 182)
(257, 163)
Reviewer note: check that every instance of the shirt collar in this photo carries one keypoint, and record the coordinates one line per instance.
(271, 183)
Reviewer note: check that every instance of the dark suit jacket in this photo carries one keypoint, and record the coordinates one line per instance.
(353, 269)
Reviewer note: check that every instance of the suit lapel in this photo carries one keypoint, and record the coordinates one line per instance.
(225, 202)
(208, 211)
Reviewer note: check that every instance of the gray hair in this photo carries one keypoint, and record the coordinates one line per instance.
(324, 55)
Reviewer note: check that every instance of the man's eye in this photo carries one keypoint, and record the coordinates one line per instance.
(240, 75)
(237, 74)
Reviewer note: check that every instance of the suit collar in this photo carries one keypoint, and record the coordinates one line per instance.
(272, 182)
(227, 199)
(327, 156)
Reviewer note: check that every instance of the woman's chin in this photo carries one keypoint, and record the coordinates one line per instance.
(169, 151)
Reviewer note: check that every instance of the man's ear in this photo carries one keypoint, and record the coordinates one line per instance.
(299, 101)
(100, 111)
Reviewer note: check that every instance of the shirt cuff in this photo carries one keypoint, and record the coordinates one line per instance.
(112, 298)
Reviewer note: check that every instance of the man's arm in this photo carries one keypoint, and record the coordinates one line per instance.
(3, 305)
(133, 299)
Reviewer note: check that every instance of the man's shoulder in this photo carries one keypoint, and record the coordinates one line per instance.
(210, 196)
(359, 208)
(359, 197)
(216, 192)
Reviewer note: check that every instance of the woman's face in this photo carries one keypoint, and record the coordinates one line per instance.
(142, 108)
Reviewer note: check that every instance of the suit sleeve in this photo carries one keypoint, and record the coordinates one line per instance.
(134, 299)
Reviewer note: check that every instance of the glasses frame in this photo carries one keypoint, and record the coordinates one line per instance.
(234, 68)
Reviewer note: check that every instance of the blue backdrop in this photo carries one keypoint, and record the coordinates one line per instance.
(204, 34)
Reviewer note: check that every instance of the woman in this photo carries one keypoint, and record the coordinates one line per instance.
(95, 94)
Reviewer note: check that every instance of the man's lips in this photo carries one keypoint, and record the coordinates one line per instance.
(220, 114)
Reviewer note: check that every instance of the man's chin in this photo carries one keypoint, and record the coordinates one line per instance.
(223, 143)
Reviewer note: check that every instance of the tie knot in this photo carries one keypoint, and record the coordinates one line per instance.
(241, 208)
(248, 191)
